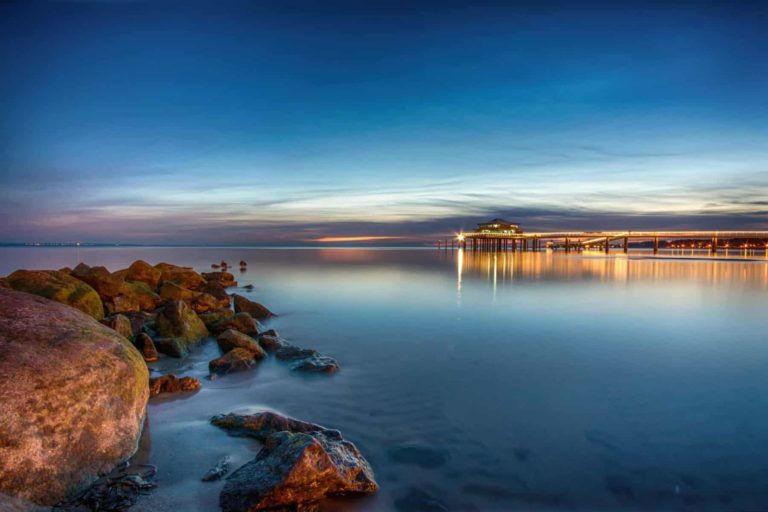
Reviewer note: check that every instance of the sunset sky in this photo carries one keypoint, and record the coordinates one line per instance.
(288, 122)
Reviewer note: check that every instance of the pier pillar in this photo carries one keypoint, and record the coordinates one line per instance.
(656, 245)
(567, 245)
(626, 244)
(714, 244)
(607, 247)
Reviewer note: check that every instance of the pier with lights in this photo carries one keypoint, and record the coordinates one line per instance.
(502, 235)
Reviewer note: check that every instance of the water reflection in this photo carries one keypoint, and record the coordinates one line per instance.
(505, 268)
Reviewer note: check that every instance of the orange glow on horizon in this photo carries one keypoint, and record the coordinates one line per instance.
(356, 238)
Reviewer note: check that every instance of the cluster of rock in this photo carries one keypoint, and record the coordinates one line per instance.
(299, 463)
(76, 389)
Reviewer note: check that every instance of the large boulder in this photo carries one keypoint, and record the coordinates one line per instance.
(178, 320)
(60, 287)
(73, 395)
(231, 339)
(296, 468)
(254, 309)
(143, 272)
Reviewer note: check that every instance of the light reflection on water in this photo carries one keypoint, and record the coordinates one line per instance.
(510, 381)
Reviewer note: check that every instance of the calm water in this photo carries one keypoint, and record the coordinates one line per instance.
(491, 382)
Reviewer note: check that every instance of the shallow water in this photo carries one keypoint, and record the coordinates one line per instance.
(490, 382)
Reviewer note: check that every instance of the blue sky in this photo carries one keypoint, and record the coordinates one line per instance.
(264, 122)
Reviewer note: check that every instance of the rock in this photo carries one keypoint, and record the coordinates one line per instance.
(216, 472)
(73, 394)
(213, 317)
(172, 291)
(225, 279)
(138, 293)
(236, 360)
(60, 287)
(243, 263)
(254, 309)
(5, 284)
(121, 324)
(271, 343)
(261, 425)
(182, 276)
(120, 274)
(292, 352)
(248, 287)
(307, 360)
(178, 320)
(231, 339)
(174, 347)
(204, 303)
(215, 265)
(297, 468)
(146, 346)
(242, 322)
(140, 321)
(316, 364)
(172, 384)
(218, 292)
(271, 332)
(100, 279)
(143, 272)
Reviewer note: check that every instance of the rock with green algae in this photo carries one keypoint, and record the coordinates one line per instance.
(60, 287)
(178, 320)
(211, 318)
(106, 284)
(73, 397)
(182, 276)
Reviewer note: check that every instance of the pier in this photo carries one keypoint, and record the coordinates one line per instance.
(500, 235)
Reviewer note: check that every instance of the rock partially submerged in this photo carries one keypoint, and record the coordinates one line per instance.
(256, 310)
(307, 359)
(295, 468)
(236, 360)
(231, 339)
(60, 287)
(242, 322)
(218, 471)
(172, 384)
(271, 343)
(178, 320)
(261, 425)
(73, 394)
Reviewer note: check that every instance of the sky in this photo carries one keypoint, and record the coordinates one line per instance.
(295, 122)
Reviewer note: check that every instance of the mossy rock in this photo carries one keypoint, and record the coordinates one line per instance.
(60, 287)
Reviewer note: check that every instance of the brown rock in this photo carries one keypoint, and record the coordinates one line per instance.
(216, 290)
(172, 384)
(204, 303)
(296, 468)
(60, 287)
(5, 284)
(143, 272)
(147, 347)
(242, 322)
(225, 279)
(133, 298)
(182, 276)
(254, 309)
(107, 285)
(271, 343)
(178, 320)
(72, 398)
(261, 425)
(231, 339)
(121, 324)
(172, 291)
(236, 360)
